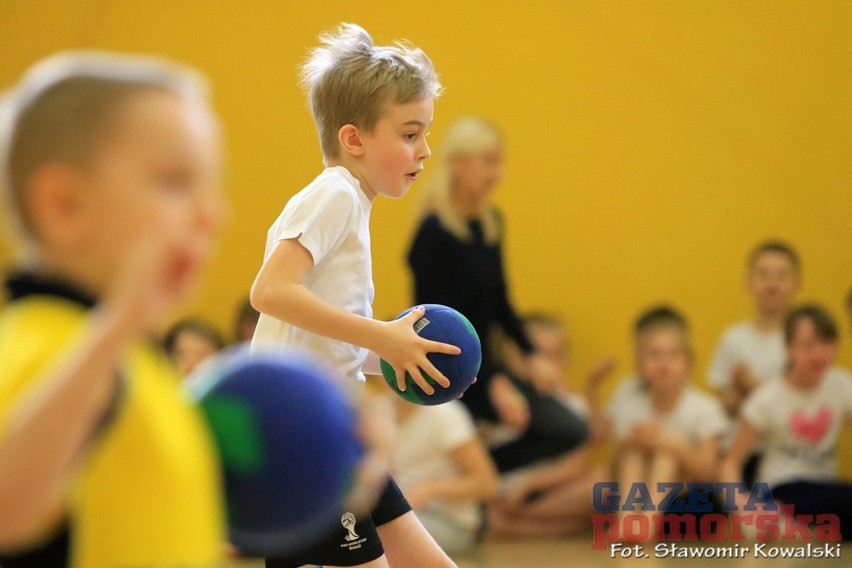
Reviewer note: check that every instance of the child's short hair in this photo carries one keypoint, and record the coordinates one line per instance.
(349, 80)
(62, 106)
(775, 246)
(543, 319)
(196, 326)
(658, 317)
(823, 322)
(662, 318)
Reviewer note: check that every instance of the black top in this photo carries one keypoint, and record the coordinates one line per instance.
(25, 284)
(469, 277)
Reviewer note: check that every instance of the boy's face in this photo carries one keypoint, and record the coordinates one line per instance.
(773, 281)
(190, 350)
(809, 355)
(550, 342)
(663, 359)
(395, 150)
(156, 170)
(477, 175)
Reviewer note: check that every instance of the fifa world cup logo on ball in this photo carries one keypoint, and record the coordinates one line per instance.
(348, 522)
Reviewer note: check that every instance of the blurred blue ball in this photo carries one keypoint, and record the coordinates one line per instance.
(288, 447)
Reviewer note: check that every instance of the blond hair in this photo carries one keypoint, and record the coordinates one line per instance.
(349, 81)
(62, 108)
(467, 136)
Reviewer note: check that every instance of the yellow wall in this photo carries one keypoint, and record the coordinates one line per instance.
(650, 144)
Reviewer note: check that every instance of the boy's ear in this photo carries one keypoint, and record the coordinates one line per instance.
(53, 203)
(351, 140)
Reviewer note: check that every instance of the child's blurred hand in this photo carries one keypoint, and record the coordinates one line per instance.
(405, 351)
(646, 436)
(511, 406)
(159, 271)
(543, 374)
(652, 436)
(600, 372)
(672, 440)
(744, 381)
(518, 496)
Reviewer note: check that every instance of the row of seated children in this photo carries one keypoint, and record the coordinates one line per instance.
(667, 430)
(663, 427)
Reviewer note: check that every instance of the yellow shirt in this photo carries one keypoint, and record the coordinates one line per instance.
(148, 491)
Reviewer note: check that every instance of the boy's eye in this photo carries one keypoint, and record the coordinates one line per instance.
(410, 135)
(175, 180)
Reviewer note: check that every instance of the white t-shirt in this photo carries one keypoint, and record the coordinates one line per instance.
(761, 352)
(422, 451)
(697, 415)
(800, 428)
(331, 219)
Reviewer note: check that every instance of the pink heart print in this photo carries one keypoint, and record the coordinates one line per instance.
(812, 429)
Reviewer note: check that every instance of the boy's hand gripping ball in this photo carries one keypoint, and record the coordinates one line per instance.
(445, 325)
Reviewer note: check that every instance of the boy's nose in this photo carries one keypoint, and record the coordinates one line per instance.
(426, 151)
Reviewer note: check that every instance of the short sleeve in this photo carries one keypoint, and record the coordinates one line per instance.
(757, 409)
(627, 407)
(844, 390)
(723, 362)
(319, 218)
(712, 421)
(456, 425)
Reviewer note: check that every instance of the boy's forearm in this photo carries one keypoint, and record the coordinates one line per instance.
(296, 305)
(48, 429)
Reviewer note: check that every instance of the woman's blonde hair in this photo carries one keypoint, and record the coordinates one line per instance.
(467, 136)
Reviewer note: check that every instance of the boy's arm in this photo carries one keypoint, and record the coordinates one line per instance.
(720, 375)
(732, 465)
(559, 473)
(600, 425)
(278, 292)
(477, 479)
(47, 429)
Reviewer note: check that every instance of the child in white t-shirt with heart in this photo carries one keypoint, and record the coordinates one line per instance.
(798, 417)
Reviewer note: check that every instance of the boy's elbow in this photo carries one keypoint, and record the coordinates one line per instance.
(255, 298)
(261, 296)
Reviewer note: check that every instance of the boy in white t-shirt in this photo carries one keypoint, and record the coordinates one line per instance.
(752, 351)
(666, 430)
(798, 417)
(372, 106)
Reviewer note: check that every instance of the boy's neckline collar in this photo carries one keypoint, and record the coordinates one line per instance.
(354, 181)
(24, 284)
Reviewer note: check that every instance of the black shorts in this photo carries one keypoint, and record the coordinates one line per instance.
(355, 541)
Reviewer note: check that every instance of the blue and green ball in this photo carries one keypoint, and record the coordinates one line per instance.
(446, 325)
